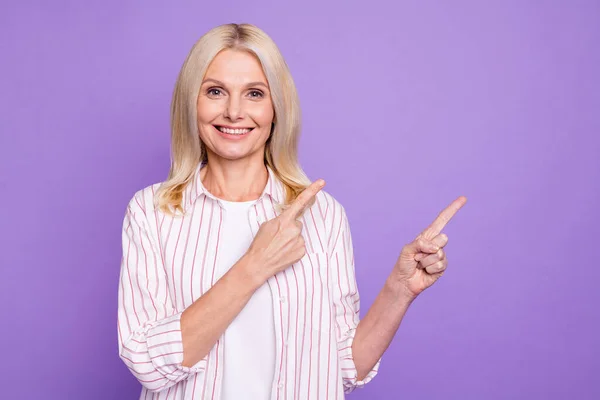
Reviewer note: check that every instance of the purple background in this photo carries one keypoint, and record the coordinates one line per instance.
(409, 104)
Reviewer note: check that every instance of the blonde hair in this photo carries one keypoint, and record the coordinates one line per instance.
(187, 149)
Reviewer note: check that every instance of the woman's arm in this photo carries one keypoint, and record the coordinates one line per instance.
(219, 305)
(160, 345)
(420, 264)
(357, 367)
(377, 328)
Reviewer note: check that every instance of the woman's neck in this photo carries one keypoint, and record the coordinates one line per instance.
(239, 180)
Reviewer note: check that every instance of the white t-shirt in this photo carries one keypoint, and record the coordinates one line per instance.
(249, 349)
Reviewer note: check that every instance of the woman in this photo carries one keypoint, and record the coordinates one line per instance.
(237, 279)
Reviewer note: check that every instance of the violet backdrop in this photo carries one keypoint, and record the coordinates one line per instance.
(412, 103)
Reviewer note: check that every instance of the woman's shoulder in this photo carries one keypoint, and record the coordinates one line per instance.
(143, 200)
(326, 219)
(329, 210)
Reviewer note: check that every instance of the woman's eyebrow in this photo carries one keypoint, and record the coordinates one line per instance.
(258, 83)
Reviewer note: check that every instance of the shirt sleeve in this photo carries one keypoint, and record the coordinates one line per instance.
(149, 327)
(345, 298)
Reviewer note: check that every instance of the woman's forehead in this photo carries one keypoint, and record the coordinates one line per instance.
(233, 67)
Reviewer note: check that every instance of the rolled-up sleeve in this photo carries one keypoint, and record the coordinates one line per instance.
(149, 327)
(345, 298)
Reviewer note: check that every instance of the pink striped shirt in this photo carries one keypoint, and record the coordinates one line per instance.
(169, 262)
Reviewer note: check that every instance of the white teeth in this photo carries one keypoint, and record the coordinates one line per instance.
(233, 131)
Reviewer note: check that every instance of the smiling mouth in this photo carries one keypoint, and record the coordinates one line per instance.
(233, 131)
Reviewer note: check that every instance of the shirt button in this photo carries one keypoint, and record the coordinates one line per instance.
(282, 299)
(280, 386)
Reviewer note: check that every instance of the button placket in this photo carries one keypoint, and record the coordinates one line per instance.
(280, 311)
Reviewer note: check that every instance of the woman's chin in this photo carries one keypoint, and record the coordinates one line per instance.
(233, 154)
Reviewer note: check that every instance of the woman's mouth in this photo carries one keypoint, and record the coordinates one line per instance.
(233, 131)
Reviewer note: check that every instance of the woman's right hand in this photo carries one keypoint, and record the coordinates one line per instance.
(279, 242)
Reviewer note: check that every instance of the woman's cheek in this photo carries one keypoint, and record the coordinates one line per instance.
(264, 116)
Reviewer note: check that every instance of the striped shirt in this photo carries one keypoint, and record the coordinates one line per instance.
(169, 261)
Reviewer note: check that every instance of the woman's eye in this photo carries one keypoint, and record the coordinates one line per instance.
(214, 92)
(256, 94)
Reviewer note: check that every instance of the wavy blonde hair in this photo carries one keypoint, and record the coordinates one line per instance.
(187, 149)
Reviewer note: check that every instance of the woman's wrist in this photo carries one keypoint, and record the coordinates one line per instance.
(251, 271)
(399, 288)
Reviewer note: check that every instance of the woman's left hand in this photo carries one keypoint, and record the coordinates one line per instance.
(422, 262)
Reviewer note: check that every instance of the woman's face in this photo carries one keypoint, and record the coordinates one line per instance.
(235, 110)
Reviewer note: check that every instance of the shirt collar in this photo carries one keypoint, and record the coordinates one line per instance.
(195, 189)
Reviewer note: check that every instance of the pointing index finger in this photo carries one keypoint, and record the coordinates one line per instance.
(444, 217)
(298, 206)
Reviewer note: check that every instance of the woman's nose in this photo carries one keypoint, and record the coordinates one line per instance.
(233, 110)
